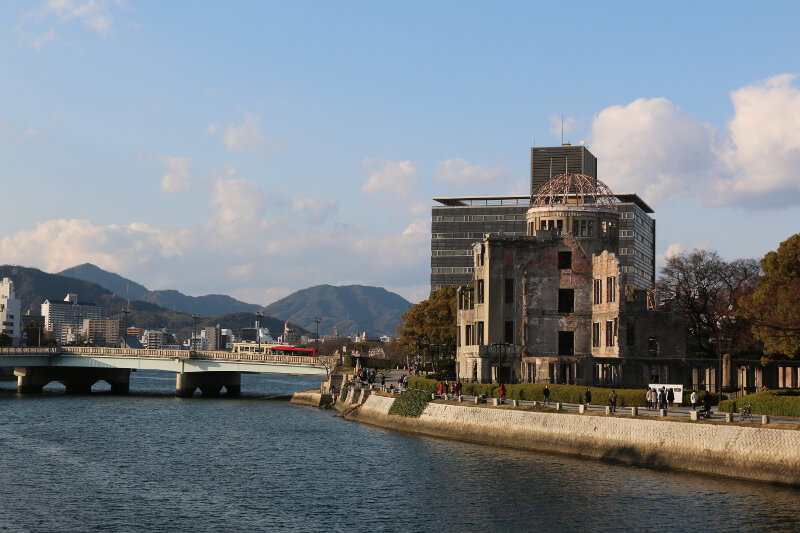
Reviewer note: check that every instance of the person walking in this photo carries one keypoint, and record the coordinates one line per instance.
(671, 398)
(612, 400)
(502, 392)
(693, 399)
(439, 388)
(546, 394)
(588, 396)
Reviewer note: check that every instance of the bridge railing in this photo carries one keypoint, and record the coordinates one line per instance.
(322, 361)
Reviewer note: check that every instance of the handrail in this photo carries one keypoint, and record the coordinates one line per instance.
(307, 360)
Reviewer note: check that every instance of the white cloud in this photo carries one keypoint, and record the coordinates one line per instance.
(462, 174)
(177, 177)
(569, 125)
(317, 211)
(95, 16)
(61, 243)
(390, 177)
(241, 272)
(247, 137)
(240, 204)
(398, 252)
(655, 148)
(212, 129)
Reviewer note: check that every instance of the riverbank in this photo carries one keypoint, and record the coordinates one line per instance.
(753, 453)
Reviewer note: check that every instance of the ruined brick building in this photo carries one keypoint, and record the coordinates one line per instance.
(556, 306)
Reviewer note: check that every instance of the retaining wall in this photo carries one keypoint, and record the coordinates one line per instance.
(763, 454)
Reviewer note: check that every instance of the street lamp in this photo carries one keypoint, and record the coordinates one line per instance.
(259, 316)
(317, 321)
(193, 345)
(126, 312)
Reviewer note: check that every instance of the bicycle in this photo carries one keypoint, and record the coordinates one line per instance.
(745, 413)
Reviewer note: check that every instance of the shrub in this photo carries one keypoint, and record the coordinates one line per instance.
(771, 402)
(369, 362)
(345, 388)
(411, 403)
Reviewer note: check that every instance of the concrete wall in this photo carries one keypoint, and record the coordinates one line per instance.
(762, 454)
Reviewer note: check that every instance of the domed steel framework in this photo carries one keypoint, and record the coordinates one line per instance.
(574, 189)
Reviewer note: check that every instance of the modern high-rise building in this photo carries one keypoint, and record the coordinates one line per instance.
(68, 312)
(10, 311)
(459, 222)
(102, 331)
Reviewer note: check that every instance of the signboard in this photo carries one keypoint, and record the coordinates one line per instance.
(676, 389)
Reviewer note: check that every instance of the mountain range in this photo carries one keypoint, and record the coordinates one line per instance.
(348, 309)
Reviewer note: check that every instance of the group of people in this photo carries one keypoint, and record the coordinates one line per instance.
(445, 387)
(370, 375)
(662, 398)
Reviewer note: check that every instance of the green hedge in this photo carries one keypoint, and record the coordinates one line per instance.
(533, 391)
(687, 397)
(784, 402)
(345, 389)
(411, 403)
(369, 362)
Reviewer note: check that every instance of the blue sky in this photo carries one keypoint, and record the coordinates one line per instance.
(256, 148)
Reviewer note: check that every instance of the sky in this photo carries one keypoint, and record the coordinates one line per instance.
(258, 148)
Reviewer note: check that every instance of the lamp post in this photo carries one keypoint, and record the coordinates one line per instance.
(193, 345)
(125, 312)
(317, 320)
(259, 316)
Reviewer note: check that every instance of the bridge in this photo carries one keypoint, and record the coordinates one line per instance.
(78, 368)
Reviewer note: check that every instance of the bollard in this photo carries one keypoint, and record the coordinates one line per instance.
(495, 401)
(558, 406)
(765, 419)
(608, 409)
(460, 398)
(581, 408)
(433, 396)
(476, 399)
(535, 403)
(728, 417)
(692, 415)
(662, 413)
(515, 403)
(634, 411)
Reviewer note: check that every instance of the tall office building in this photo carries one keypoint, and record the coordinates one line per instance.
(10, 310)
(459, 222)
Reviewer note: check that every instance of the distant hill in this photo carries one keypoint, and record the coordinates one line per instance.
(206, 306)
(33, 287)
(122, 287)
(210, 305)
(350, 309)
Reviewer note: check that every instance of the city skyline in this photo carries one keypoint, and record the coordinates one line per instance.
(258, 149)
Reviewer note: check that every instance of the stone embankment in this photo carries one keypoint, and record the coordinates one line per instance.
(763, 454)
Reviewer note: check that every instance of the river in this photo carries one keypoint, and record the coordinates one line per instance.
(152, 462)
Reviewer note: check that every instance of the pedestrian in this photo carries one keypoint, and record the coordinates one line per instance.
(502, 392)
(693, 398)
(662, 398)
(648, 398)
(439, 389)
(383, 380)
(671, 398)
(588, 396)
(612, 400)
(707, 403)
(546, 394)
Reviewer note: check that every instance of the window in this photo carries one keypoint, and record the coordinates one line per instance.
(468, 335)
(596, 334)
(480, 291)
(509, 291)
(509, 332)
(609, 333)
(566, 342)
(630, 331)
(611, 289)
(560, 225)
(508, 258)
(626, 234)
(590, 230)
(598, 291)
(566, 300)
(564, 260)
(652, 346)
(480, 333)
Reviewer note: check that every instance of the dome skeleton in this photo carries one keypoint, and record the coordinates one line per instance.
(574, 189)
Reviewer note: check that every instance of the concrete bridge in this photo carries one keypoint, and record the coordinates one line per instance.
(78, 368)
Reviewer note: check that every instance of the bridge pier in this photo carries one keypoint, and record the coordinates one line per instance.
(209, 383)
(77, 380)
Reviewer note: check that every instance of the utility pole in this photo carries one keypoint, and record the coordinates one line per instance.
(259, 316)
(125, 312)
(317, 321)
(192, 344)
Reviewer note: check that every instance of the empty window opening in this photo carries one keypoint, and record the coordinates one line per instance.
(509, 332)
(652, 346)
(598, 291)
(596, 334)
(566, 342)
(480, 291)
(509, 291)
(564, 260)
(609, 333)
(566, 300)
(630, 331)
(480, 333)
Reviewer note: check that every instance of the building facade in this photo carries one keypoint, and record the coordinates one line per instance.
(457, 223)
(10, 311)
(552, 305)
(102, 331)
(70, 311)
